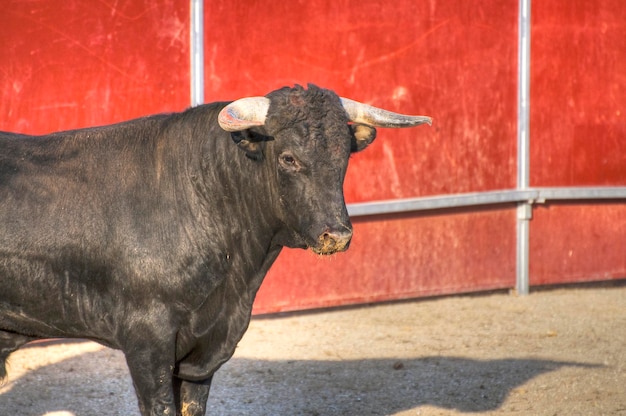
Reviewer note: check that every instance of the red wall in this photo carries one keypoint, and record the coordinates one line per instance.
(450, 59)
(455, 61)
(578, 137)
(67, 64)
(578, 243)
(578, 93)
(398, 257)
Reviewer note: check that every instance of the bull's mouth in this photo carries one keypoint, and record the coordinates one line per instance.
(324, 252)
(329, 244)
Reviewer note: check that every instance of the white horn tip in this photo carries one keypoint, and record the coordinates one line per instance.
(377, 117)
(425, 120)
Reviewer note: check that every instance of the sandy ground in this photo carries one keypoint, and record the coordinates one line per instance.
(555, 352)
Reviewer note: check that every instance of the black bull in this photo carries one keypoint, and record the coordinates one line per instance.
(153, 236)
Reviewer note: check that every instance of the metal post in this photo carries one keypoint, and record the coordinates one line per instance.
(524, 209)
(196, 52)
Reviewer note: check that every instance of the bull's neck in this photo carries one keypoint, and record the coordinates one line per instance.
(231, 200)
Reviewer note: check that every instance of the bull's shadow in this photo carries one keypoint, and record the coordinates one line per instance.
(98, 383)
(371, 386)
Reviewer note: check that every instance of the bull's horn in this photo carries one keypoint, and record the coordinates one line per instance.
(377, 117)
(244, 113)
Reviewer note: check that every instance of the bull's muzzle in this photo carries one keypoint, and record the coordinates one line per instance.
(333, 241)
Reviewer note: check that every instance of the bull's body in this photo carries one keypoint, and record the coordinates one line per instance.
(153, 236)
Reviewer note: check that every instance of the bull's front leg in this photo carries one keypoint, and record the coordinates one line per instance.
(149, 348)
(152, 375)
(191, 396)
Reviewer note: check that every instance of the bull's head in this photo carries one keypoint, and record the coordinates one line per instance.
(312, 133)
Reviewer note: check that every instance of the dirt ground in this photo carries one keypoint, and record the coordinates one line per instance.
(555, 352)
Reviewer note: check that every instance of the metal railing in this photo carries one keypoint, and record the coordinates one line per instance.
(196, 52)
(524, 209)
(529, 196)
(524, 198)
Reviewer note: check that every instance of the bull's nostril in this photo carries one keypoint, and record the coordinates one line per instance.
(333, 240)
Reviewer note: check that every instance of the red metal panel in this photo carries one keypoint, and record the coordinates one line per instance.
(578, 131)
(70, 63)
(578, 243)
(398, 257)
(578, 93)
(453, 60)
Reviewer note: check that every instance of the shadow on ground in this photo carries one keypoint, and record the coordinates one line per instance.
(371, 387)
(97, 383)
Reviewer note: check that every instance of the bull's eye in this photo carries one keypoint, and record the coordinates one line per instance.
(288, 161)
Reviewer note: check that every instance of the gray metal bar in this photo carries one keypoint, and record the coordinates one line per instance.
(522, 250)
(434, 202)
(524, 209)
(523, 97)
(512, 196)
(577, 193)
(197, 52)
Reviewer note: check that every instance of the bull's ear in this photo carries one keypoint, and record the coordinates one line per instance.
(362, 136)
(250, 142)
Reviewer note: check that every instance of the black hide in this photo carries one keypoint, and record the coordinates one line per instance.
(153, 236)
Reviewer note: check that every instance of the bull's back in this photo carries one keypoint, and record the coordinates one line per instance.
(48, 193)
(62, 210)
(74, 184)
